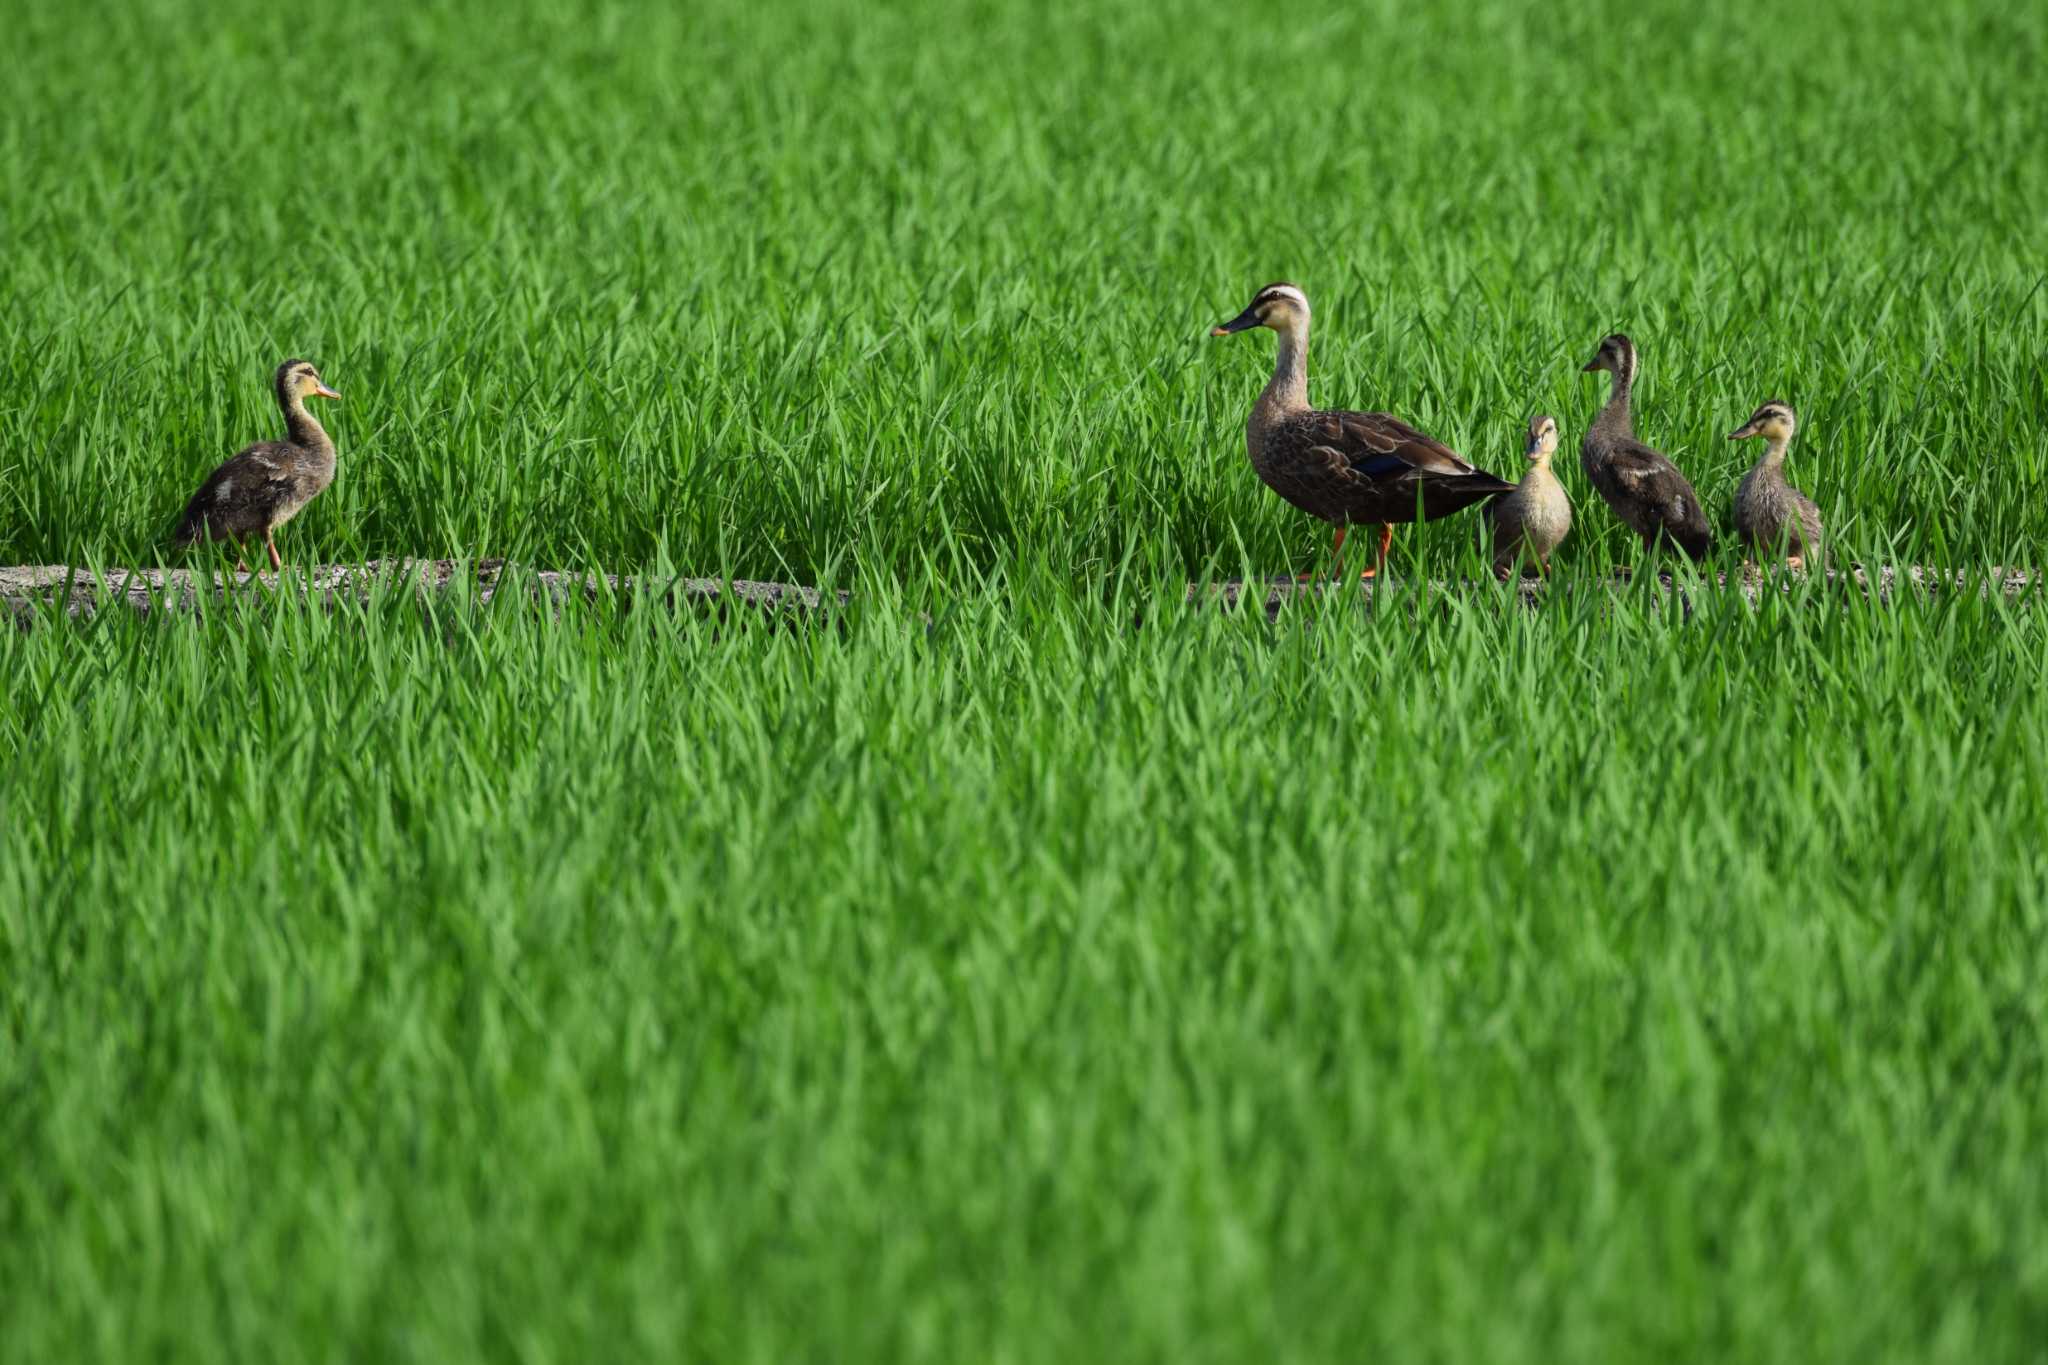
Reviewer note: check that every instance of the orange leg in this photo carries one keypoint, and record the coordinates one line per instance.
(1336, 548)
(271, 546)
(1379, 566)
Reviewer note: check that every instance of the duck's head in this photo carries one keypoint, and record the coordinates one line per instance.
(1617, 355)
(297, 380)
(1773, 420)
(1281, 307)
(1542, 437)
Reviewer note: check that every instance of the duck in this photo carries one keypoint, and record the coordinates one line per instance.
(1641, 485)
(1537, 516)
(1772, 516)
(268, 483)
(1347, 468)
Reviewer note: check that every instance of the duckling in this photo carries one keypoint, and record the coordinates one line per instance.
(1770, 514)
(1537, 516)
(1344, 467)
(1642, 485)
(266, 484)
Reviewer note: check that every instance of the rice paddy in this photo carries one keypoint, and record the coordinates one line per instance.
(985, 976)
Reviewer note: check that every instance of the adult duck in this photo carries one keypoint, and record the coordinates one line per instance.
(1348, 468)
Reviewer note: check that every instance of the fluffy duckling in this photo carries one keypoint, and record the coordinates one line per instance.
(1344, 467)
(1642, 485)
(1536, 517)
(1771, 516)
(266, 484)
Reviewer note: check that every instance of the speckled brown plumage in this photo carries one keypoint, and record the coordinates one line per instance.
(1771, 516)
(266, 484)
(1365, 467)
(1345, 467)
(1641, 485)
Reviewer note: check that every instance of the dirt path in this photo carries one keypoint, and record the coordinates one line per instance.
(32, 592)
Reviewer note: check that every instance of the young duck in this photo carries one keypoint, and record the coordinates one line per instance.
(266, 484)
(1536, 517)
(1345, 467)
(1642, 485)
(1771, 515)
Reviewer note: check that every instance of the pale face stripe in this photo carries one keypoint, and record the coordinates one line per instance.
(1273, 293)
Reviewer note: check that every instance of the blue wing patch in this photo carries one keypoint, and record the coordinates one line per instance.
(1380, 466)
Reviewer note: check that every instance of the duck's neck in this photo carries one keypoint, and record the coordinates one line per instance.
(1774, 453)
(1287, 391)
(301, 427)
(1614, 418)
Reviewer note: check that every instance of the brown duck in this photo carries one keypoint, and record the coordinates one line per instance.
(1348, 468)
(1641, 484)
(266, 484)
(1772, 516)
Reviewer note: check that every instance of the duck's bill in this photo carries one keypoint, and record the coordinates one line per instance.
(1237, 324)
(1589, 367)
(1743, 433)
(322, 391)
(1533, 449)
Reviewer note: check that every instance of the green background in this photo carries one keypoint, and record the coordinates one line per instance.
(1448, 981)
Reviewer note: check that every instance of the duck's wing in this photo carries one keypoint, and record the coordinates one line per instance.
(239, 498)
(1348, 467)
(1647, 478)
(1378, 446)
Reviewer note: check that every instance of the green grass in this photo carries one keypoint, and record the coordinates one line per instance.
(1491, 985)
(1449, 982)
(776, 283)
